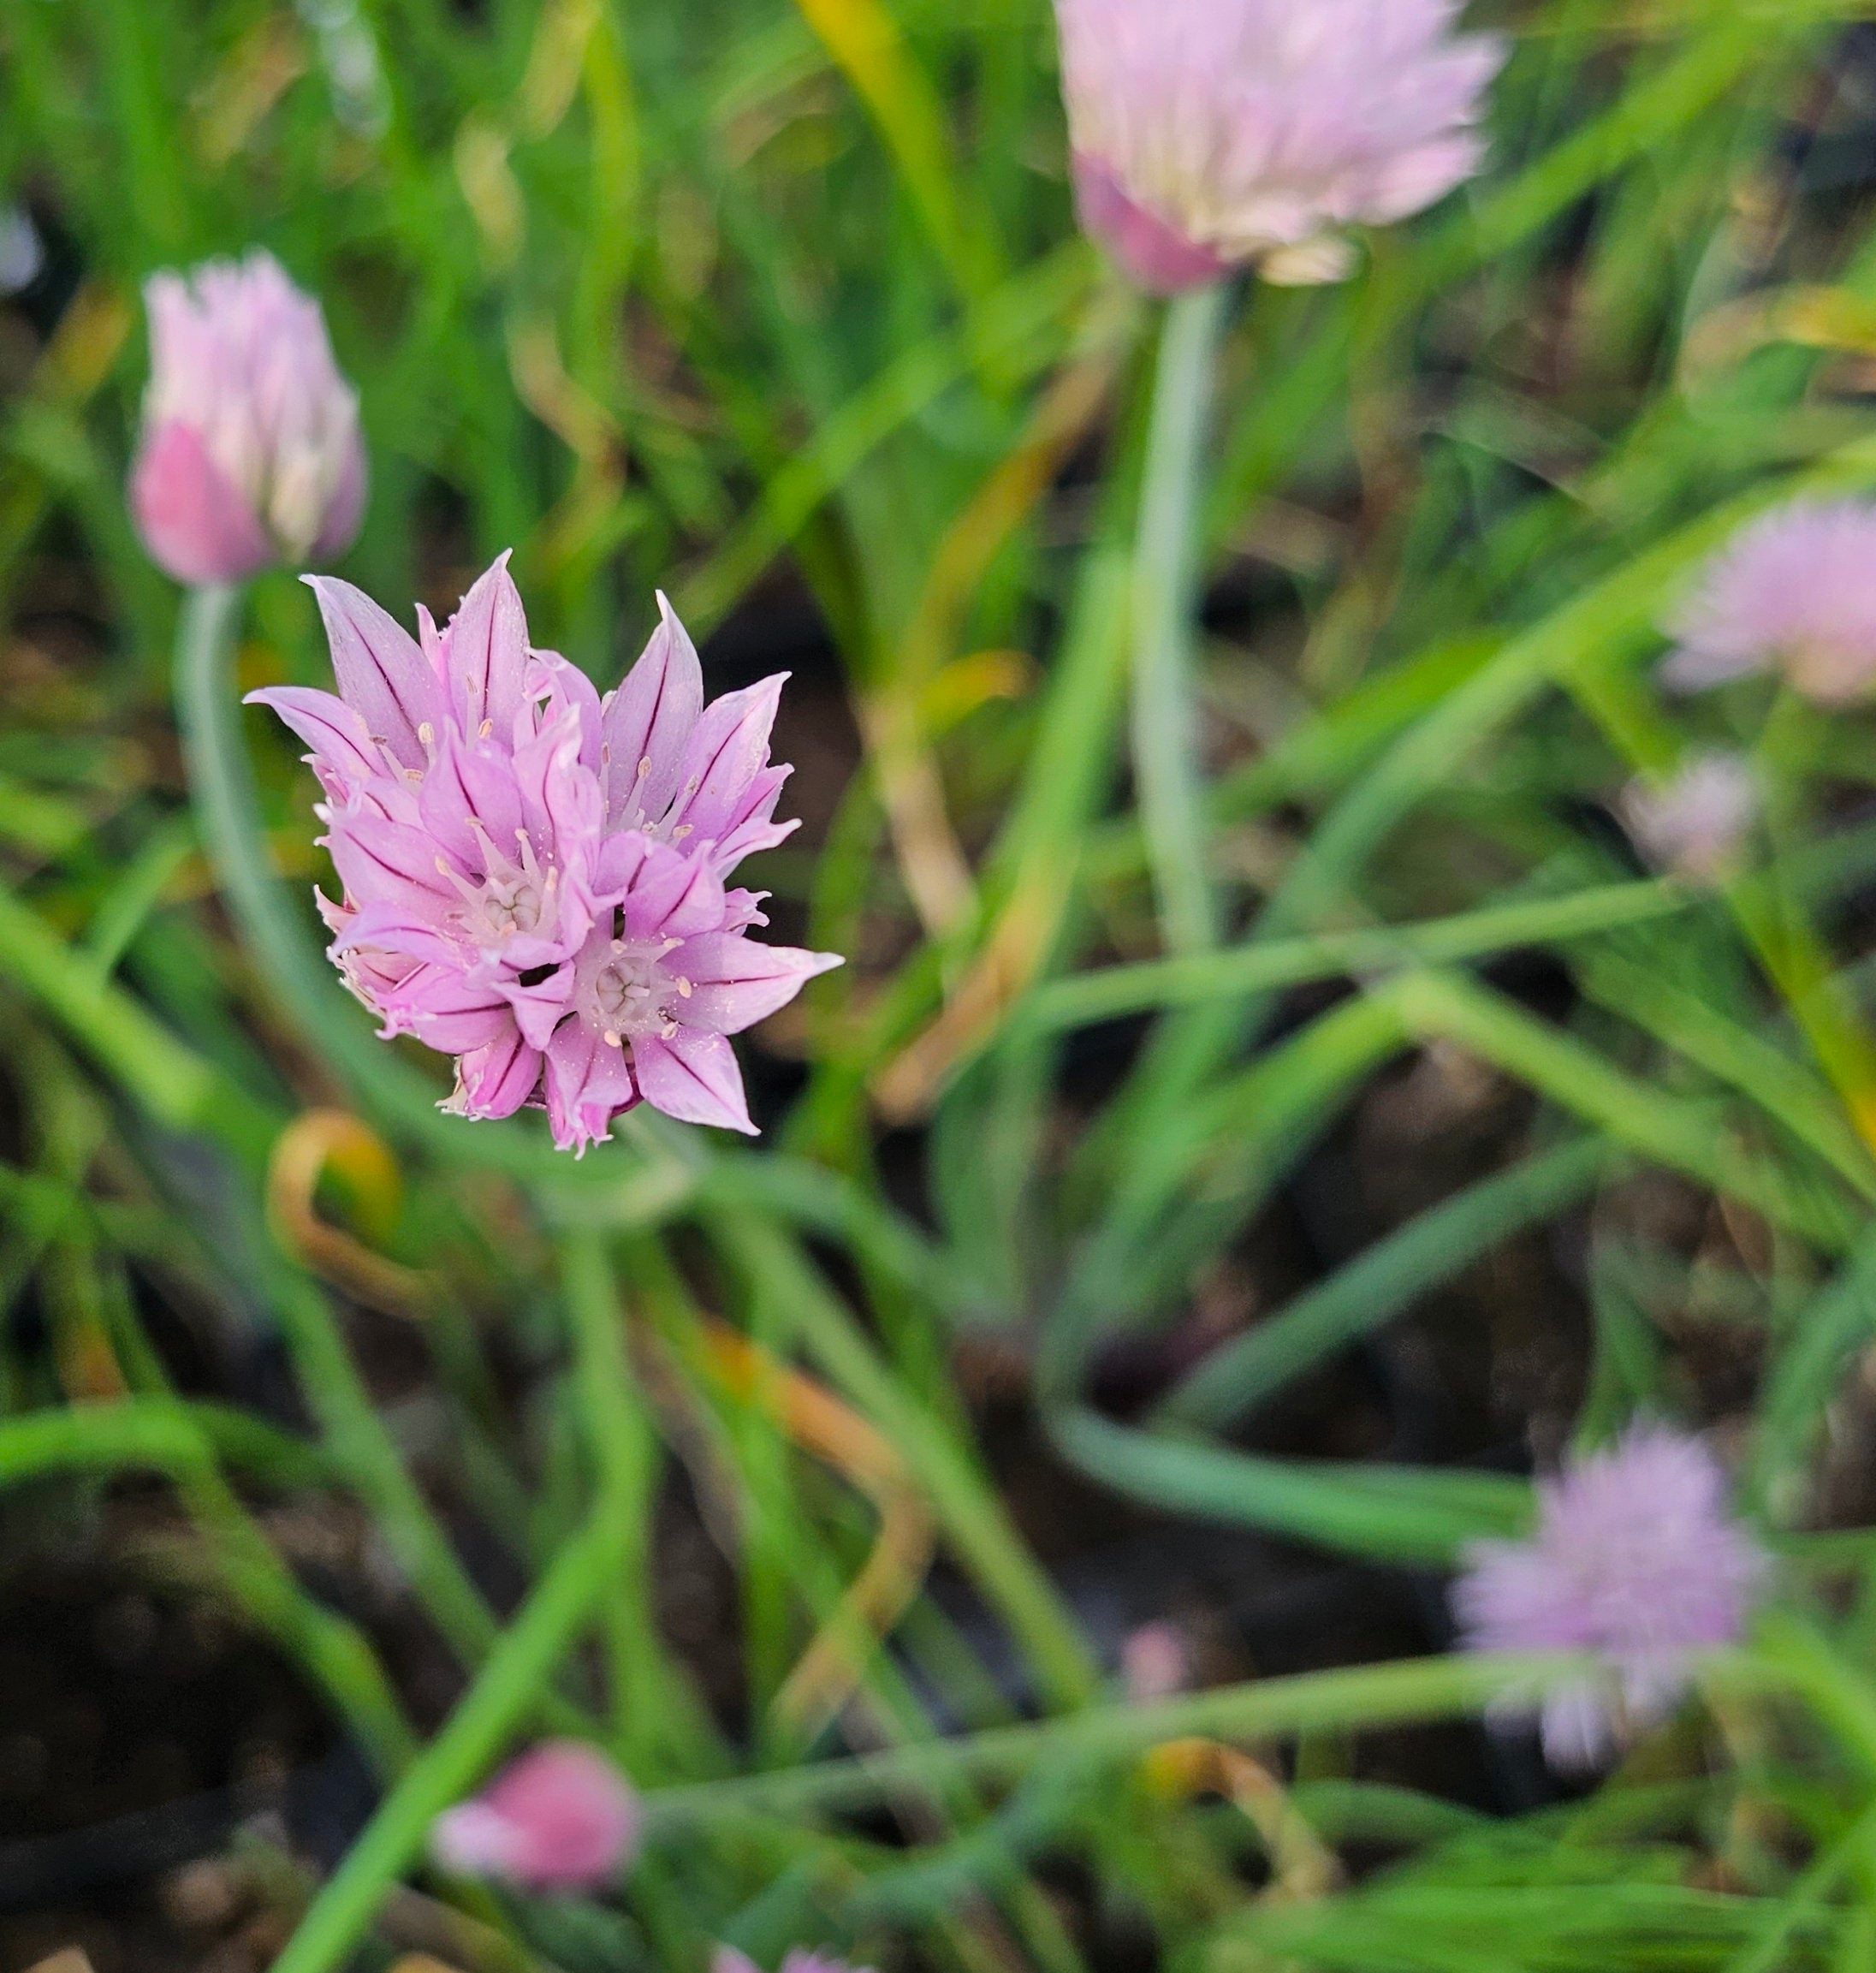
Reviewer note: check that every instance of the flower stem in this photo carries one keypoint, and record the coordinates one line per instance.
(1165, 580)
(509, 1687)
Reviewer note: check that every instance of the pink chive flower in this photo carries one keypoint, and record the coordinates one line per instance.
(727, 1959)
(561, 1817)
(1635, 1559)
(1793, 591)
(534, 879)
(1695, 826)
(250, 453)
(1209, 133)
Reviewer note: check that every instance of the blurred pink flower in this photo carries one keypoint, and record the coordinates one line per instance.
(1694, 826)
(534, 879)
(1635, 1559)
(561, 1817)
(251, 453)
(1208, 134)
(1155, 1662)
(727, 1959)
(1794, 590)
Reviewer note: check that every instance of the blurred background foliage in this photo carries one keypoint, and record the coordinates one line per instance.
(1086, 1276)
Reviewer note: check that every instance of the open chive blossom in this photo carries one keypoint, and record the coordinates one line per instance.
(533, 878)
(560, 1817)
(250, 453)
(1636, 1559)
(1793, 592)
(1209, 135)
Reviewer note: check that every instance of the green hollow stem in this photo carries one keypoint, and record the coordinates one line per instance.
(508, 1689)
(1166, 581)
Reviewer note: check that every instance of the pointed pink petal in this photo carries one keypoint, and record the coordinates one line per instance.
(448, 1012)
(621, 856)
(588, 1083)
(471, 783)
(487, 651)
(382, 673)
(383, 862)
(549, 675)
(649, 721)
(342, 748)
(539, 1009)
(692, 1077)
(193, 520)
(497, 1080)
(673, 896)
(561, 803)
(389, 927)
(727, 752)
(430, 641)
(736, 982)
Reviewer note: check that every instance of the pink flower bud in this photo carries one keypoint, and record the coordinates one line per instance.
(1696, 825)
(251, 453)
(1155, 1662)
(560, 1818)
(1212, 134)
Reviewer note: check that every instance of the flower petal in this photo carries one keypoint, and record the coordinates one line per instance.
(497, 1080)
(736, 982)
(195, 522)
(588, 1083)
(673, 896)
(342, 753)
(383, 675)
(650, 721)
(470, 800)
(726, 753)
(487, 651)
(692, 1077)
